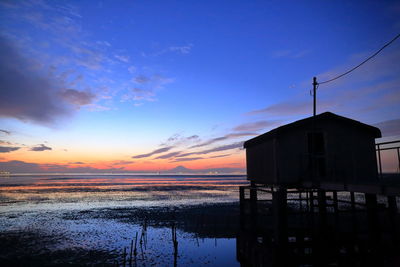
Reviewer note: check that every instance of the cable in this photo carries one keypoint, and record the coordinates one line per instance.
(359, 65)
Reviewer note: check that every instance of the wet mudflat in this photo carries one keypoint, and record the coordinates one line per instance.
(205, 236)
(128, 224)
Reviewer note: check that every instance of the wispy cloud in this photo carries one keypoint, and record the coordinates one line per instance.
(223, 138)
(187, 159)
(154, 152)
(6, 149)
(138, 94)
(255, 126)
(169, 155)
(199, 158)
(123, 162)
(78, 98)
(122, 58)
(145, 88)
(215, 149)
(183, 49)
(389, 128)
(40, 147)
(180, 140)
(288, 53)
(5, 132)
(132, 69)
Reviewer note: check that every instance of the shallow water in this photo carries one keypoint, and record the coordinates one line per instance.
(104, 213)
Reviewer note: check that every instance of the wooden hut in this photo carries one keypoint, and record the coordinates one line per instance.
(325, 148)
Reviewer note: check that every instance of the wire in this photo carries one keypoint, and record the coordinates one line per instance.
(365, 61)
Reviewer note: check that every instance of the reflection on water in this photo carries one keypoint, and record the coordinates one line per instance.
(91, 220)
(54, 192)
(186, 221)
(344, 237)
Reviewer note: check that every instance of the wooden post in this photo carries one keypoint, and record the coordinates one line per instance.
(372, 217)
(279, 204)
(335, 202)
(353, 214)
(392, 209)
(301, 201)
(242, 207)
(253, 201)
(322, 207)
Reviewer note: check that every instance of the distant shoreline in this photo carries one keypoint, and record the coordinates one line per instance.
(128, 173)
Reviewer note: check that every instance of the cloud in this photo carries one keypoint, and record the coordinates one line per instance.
(287, 53)
(77, 162)
(138, 94)
(169, 155)
(178, 140)
(16, 166)
(5, 132)
(187, 159)
(122, 58)
(181, 49)
(123, 162)
(199, 158)
(145, 88)
(215, 149)
(184, 49)
(104, 43)
(389, 128)
(6, 149)
(141, 79)
(78, 98)
(40, 147)
(285, 108)
(25, 94)
(154, 152)
(222, 138)
(254, 126)
(132, 69)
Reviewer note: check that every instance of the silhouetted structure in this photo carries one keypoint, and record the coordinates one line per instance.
(324, 148)
(322, 174)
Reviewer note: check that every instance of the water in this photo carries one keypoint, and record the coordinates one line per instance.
(91, 219)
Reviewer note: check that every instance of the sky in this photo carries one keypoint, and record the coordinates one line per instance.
(100, 86)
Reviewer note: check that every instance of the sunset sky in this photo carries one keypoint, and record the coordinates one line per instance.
(96, 86)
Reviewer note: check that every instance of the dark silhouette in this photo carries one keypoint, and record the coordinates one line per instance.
(328, 206)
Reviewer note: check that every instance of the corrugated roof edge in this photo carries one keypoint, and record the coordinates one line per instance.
(326, 115)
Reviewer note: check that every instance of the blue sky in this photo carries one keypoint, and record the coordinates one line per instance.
(101, 82)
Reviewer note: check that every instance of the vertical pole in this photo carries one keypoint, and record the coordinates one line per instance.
(379, 161)
(398, 158)
(301, 201)
(335, 202)
(242, 207)
(392, 209)
(322, 207)
(312, 201)
(279, 203)
(354, 220)
(372, 216)
(253, 203)
(315, 96)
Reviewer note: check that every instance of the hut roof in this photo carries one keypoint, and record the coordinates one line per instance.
(326, 116)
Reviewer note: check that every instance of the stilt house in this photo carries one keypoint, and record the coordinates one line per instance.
(325, 148)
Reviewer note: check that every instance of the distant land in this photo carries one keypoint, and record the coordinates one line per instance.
(20, 167)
